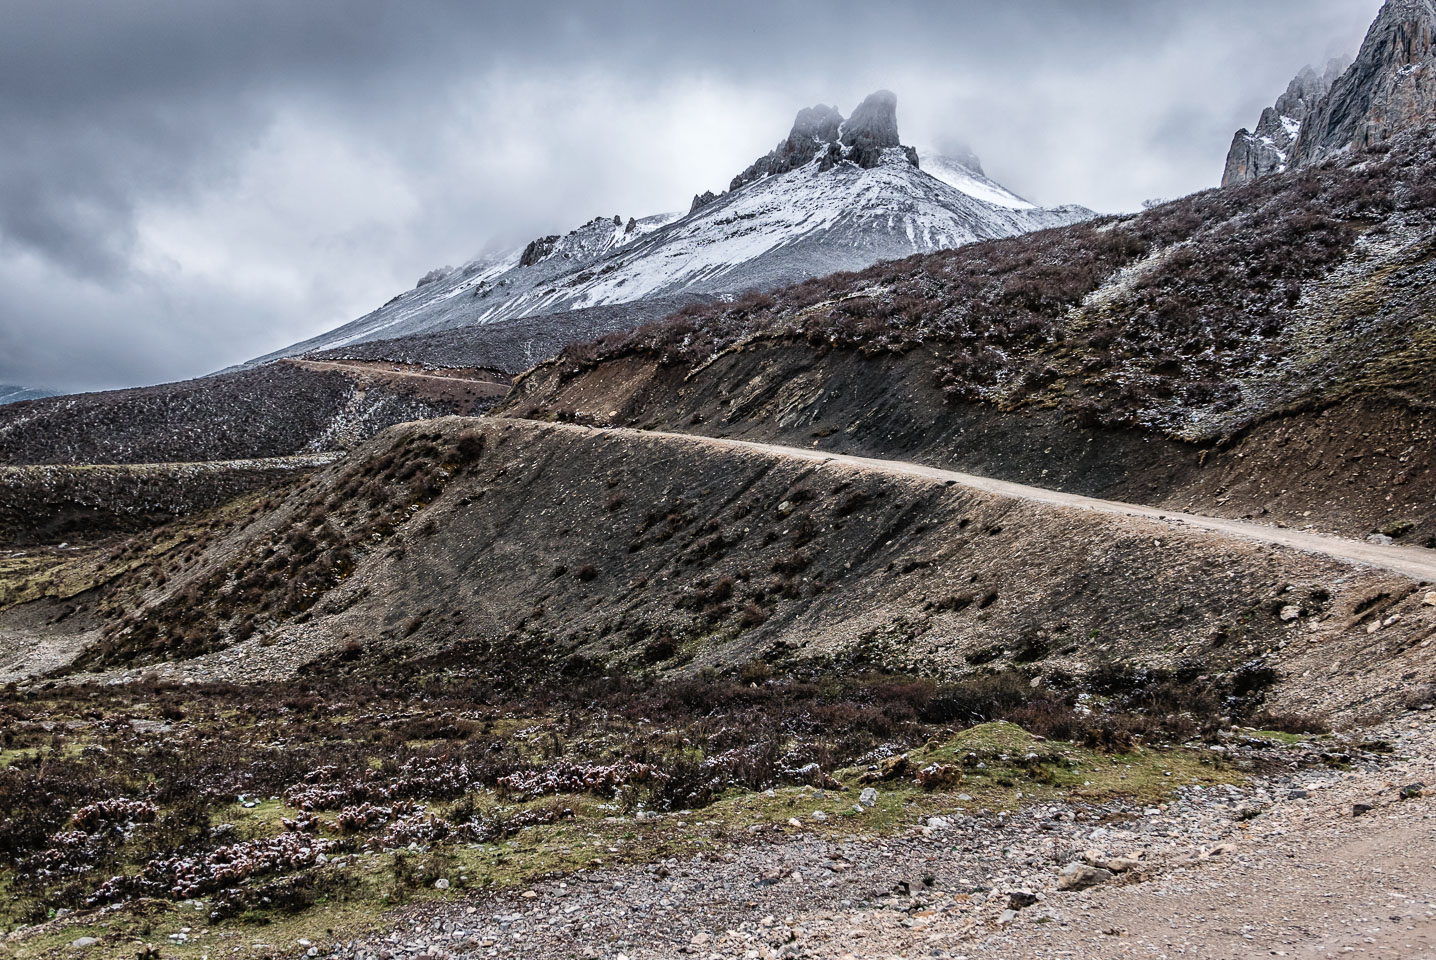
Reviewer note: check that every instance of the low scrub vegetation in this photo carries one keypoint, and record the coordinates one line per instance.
(291, 557)
(244, 799)
(269, 411)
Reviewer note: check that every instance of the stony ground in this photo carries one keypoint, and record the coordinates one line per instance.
(1317, 862)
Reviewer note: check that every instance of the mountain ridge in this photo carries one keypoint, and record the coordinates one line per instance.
(9, 393)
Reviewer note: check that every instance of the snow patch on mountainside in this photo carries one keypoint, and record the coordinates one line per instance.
(960, 177)
(14, 394)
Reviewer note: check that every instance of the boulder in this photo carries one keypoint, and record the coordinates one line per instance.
(1080, 876)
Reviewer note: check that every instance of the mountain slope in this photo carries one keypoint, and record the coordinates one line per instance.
(1260, 350)
(13, 394)
(834, 195)
(436, 536)
(273, 411)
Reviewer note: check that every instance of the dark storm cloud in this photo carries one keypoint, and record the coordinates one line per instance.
(185, 184)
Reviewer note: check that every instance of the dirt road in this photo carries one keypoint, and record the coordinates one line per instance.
(1415, 562)
(393, 372)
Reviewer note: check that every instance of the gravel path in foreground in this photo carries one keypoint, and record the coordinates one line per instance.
(1281, 866)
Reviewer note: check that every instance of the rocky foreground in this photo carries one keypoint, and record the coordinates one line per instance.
(1307, 861)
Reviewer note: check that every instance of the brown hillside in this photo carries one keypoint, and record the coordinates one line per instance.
(589, 551)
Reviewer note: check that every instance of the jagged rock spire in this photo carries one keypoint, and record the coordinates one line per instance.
(1389, 88)
(820, 133)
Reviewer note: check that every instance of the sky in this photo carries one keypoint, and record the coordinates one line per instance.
(186, 184)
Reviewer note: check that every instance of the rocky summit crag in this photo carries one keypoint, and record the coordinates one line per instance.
(1267, 149)
(821, 132)
(1390, 88)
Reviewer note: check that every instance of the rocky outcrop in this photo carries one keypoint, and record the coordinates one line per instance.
(701, 200)
(537, 250)
(1390, 88)
(819, 124)
(1267, 149)
(437, 273)
(820, 133)
(872, 129)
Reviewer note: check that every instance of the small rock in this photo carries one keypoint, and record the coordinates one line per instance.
(937, 776)
(83, 942)
(794, 822)
(890, 768)
(1296, 794)
(868, 797)
(1430, 599)
(1021, 899)
(1412, 790)
(441, 884)
(1290, 612)
(1098, 859)
(1006, 917)
(1358, 809)
(1080, 876)
(819, 816)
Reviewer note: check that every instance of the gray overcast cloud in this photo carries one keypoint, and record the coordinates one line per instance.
(187, 184)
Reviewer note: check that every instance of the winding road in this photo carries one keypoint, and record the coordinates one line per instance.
(1415, 562)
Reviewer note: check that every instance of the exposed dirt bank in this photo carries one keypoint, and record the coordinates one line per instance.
(1355, 468)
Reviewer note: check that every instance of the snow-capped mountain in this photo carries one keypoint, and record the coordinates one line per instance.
(834, 195)
(14, 394)
(965, 175)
